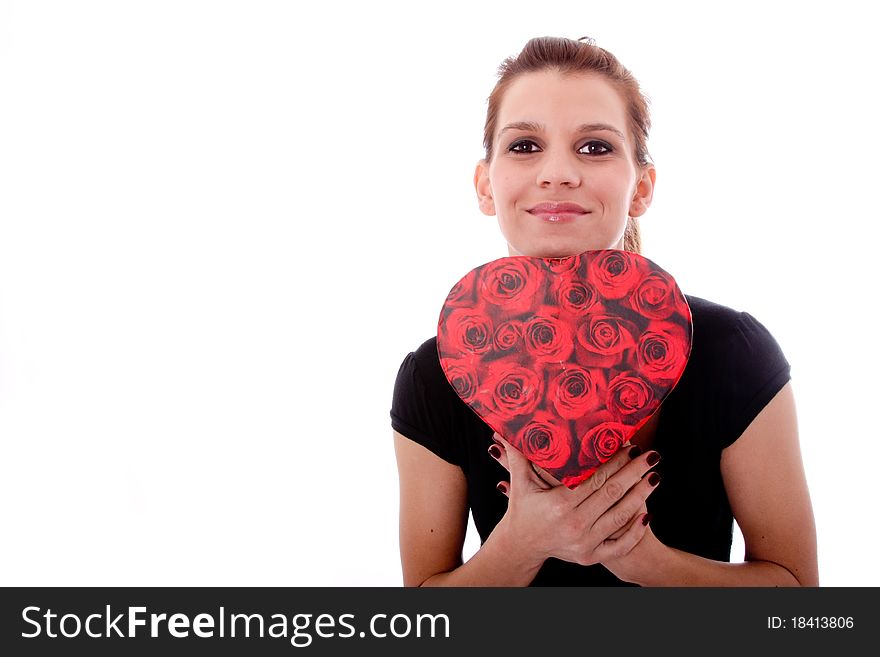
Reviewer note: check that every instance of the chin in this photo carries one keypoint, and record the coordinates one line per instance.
(558, 247)
(552, 249)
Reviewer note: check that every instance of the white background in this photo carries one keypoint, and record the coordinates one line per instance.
(224, 224)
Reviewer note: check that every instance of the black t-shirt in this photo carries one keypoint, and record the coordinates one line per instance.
(735, 368)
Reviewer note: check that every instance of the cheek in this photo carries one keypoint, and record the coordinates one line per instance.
(507, 191)
(612, 193)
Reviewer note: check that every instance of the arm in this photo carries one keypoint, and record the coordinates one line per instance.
(764, 478)
(433, 522)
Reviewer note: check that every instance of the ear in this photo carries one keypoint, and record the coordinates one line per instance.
(484, 188)
(644, 191)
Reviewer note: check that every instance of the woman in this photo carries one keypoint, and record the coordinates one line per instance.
(567, 171)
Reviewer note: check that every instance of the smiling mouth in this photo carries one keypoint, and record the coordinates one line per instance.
(557, 212)
(557, 217)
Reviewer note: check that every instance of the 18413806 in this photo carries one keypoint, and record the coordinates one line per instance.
(810, 622)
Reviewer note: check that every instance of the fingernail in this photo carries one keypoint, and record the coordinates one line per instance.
(634, 451)
(653, 457)
(646, 519)
(495, 451)
(653, 479)
(502, 486)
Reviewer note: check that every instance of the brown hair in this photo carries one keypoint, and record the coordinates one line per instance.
(582, 56)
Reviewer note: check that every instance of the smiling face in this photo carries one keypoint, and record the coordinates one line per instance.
(563, 177)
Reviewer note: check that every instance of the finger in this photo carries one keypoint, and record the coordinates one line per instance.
(504, 488)
(632, 504)
(522, 476)
(499, 453)
(545, 476)
(604, 472)
(620, 532)
(620, 547)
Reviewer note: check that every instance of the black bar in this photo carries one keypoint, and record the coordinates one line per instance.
(516, 621)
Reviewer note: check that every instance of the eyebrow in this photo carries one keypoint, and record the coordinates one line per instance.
(531, 126)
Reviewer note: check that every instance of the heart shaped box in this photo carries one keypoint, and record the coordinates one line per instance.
(566, 358)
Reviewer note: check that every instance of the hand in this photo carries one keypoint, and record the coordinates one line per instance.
(601, 519)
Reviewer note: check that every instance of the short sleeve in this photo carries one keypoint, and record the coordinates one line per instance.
(752, 371)
(424, 405)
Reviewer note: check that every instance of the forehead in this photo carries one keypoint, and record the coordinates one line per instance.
(562, 101)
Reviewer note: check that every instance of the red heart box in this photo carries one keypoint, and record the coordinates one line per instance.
(566, 358)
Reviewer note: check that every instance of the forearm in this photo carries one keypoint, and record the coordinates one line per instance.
(655, 564)
(498, 562)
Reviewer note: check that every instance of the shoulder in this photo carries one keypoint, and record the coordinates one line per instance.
(426, 355)
(738, 364)
(425, 407)
(421, 368)
(720, 327)
(713, 319)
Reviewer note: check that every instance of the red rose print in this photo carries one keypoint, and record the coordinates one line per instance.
(614, 273)
(469, 331)
(463, 379)
(508, 335)
(655, 297)
(572, 481)
(544, 441)
(462, 294)
(573, 295)
(546, 338)
(600, 443)
(514, 390)
(510, 283)
(606, 335)
(562, 265)
(576, 391)
(629, 395)
(567, 357)
(660, 353)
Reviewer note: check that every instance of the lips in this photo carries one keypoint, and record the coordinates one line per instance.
(557, 207)
(557, 211)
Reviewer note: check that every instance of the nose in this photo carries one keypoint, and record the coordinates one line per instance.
(558, 168)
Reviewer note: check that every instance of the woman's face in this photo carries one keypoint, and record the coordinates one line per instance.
(562, 179)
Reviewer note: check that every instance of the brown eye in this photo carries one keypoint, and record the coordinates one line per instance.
(522, 146)
(595, 148)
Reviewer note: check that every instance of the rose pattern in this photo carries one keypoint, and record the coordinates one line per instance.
(509, 282)
(544, 441)
(463, 379)
(515, 390)
(508, 335)
(574, 296)
(577, 391)
(469, 331)
(660, 352)
(629, 395)
(614, 273)
(601, 442)
(462, 294)
(547, 339)
(565, 357)
(655, 296)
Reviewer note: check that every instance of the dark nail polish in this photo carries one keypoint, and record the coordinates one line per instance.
(653, 457)
(634, 451)
(502, 486)
(653, 479)
(646, 519)
(495, 451)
